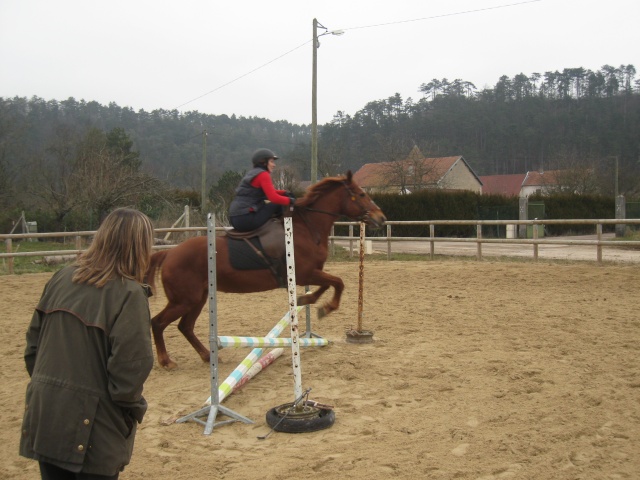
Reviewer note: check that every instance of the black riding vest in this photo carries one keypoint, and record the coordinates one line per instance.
(248, 198)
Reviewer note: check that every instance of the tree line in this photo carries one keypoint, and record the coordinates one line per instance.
(72, 160)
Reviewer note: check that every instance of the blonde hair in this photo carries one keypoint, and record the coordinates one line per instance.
(121, 248)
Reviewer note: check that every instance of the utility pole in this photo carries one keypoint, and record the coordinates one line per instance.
(203, 192)
(314, 106)
(616, 184)
(314, 97)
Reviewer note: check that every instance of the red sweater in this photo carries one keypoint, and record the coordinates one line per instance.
(263, 181)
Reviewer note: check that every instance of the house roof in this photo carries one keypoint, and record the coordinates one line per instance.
(509, 185)
(377, 174)
(534, 179)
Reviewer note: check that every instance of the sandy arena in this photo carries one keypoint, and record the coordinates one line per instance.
(479, 370)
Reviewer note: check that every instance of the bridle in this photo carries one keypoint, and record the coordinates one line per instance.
(364, 215)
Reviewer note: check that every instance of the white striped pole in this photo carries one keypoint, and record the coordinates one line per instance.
(266, 360)
(230, 341)
(234, 377)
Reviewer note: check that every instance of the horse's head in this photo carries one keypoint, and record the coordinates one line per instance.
(359, 206)
(337, 196)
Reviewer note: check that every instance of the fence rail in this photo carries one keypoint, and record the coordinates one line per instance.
(535, 241)
(389, 239)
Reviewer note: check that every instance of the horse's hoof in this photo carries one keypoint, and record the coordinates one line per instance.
(321, 312)
(171, 365)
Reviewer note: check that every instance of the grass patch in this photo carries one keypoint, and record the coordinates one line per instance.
(342, 255)
(629, 235)
(32, 264)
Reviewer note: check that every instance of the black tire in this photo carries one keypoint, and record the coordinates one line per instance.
(284, 419)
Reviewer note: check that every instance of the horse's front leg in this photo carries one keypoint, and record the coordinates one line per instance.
(324, 280)
(312, 297)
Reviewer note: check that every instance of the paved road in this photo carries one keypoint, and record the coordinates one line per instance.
(551, 252)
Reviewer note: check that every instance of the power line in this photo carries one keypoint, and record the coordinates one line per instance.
(244, 75)
(357, 28)
(442, 15)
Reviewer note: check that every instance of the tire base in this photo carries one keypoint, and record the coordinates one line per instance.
(300, 420)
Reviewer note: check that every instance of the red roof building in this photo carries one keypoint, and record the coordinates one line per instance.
(508, 185)
(418, 173)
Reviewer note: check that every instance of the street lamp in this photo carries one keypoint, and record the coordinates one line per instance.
(314, 97)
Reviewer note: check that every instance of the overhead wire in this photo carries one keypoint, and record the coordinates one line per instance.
(475, 10)
(465, 12)
(245, 74)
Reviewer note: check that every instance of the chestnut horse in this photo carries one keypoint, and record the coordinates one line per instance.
(185, 273)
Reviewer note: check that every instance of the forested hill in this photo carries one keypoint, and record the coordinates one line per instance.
(558, 119)
(171, 144)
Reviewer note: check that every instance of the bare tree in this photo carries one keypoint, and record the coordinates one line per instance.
(286, 178)
(392, 151)
(330, 160)
(51, 175)
(411, 173)
(6, 184)
(574, 174)
(105, 177)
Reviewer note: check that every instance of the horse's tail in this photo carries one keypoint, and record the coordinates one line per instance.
(157, 259)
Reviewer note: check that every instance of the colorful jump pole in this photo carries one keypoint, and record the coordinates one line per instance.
(234, 377)
(230, 341)
(266, 360)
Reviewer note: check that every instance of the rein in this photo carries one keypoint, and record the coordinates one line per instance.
(309, 209)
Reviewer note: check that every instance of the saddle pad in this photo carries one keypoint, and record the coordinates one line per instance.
(242, 256)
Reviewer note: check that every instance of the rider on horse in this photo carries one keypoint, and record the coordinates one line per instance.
(249, 209)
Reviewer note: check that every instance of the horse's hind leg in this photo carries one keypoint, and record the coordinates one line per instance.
(186, 326)
(169, 314)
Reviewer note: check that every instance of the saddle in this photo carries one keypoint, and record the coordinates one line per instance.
(259, 249)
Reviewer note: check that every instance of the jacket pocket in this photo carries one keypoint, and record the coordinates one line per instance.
(58, 421)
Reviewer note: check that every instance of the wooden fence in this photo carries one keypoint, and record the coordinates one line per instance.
(79, 238)
(479, 240)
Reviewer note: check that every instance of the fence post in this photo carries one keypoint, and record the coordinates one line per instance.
(599, 247)
(388, 242)
(350, 241)
(535, 237)
(10, 259)
(479, 236)
(522, 215)
(620, 214)
(432, 246)
(332, 242)
(78, 243)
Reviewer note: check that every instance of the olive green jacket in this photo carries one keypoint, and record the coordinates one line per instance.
(88, 354)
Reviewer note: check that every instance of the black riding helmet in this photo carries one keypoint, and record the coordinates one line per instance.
(262, 156)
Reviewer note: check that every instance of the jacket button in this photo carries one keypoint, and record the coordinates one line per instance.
(86, 421)
(80, 448)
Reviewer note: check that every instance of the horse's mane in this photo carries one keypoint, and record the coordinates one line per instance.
(320, 189)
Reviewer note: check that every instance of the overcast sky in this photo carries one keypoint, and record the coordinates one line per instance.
(254, 58)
